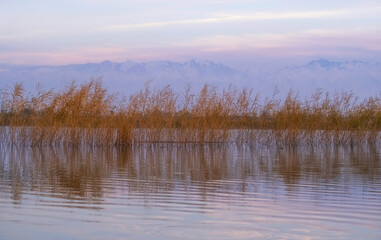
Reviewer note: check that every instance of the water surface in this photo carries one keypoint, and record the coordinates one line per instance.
(190, 192)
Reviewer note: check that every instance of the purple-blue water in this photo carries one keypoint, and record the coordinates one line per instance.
(190, 192)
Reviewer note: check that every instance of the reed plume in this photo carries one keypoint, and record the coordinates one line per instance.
(87, 114)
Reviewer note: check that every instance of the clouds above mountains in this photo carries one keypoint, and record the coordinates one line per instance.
(47, 32)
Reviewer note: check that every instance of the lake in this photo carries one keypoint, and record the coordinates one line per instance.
(190, 192)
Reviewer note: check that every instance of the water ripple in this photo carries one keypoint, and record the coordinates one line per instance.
(178, 193)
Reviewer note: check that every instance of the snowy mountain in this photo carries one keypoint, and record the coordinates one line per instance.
(129, 76)
(362, 78)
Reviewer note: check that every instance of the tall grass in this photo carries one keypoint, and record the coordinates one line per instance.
(87, 114)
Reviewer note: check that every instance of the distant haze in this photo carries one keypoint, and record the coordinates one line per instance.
(360, 77)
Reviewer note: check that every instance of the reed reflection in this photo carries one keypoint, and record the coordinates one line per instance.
(94, 174)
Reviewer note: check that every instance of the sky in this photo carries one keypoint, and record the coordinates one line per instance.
(46, 32)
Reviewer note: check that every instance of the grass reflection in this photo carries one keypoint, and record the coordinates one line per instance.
(93, 174)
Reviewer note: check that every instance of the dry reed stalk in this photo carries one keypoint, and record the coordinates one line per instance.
(88, 115)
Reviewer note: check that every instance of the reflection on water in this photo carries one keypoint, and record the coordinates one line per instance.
(190, 192)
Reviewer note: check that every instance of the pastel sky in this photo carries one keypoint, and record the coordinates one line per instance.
(46, 32)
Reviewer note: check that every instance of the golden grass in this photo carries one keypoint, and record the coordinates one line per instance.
(88, 114)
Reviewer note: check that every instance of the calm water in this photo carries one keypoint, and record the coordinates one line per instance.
(204, 192)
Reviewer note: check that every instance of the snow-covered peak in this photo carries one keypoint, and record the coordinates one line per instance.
(329, 65)
(363, 78)
(323, 63)
(129, 76)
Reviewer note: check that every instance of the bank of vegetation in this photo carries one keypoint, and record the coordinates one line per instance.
(87, 114)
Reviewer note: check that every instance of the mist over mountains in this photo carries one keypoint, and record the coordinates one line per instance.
(362, 78)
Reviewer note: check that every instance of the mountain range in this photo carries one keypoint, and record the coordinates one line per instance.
(362, 78)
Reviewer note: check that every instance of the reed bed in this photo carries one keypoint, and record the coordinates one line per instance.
(87, 114)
